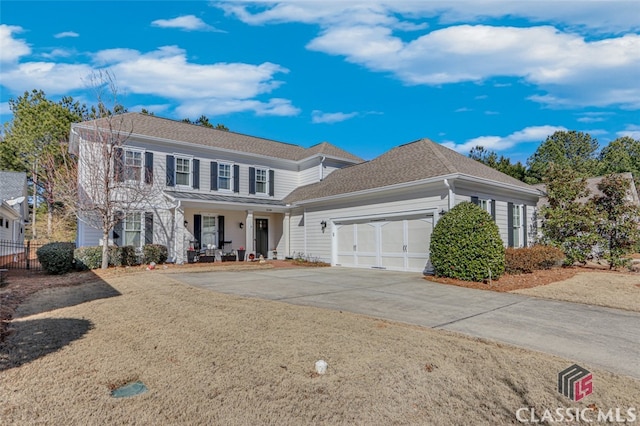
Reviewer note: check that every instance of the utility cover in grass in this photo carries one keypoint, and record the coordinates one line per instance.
(130, 389)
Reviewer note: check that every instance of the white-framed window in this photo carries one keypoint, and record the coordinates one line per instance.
(485, 205)
(208, 231)
(517, 226)
(132, 165)
(132, 228)
(262, 182)
(183, 171)
(225, 176)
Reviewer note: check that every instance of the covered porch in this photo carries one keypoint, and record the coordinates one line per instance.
(211, 227)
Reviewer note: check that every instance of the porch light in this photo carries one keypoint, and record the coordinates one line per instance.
(186, 223)
(241, 225)
(323, 225)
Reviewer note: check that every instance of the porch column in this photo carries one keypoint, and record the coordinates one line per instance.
(248, 233)
(285, 232)
(180, 235)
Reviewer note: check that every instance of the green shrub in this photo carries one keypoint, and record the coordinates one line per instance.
(529, 259)
(88, 257)
(466, 245)
(56, 258)
(123, 256)
(155, 253)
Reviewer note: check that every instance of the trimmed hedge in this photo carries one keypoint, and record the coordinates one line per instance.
(155, 253)
(56, 258)
(123, 256)
(466, 245)
(88, 257)
(529, 259)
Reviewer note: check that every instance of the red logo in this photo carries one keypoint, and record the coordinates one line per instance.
(575, 382)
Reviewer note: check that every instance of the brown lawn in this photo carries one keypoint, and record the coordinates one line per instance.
(210, 358)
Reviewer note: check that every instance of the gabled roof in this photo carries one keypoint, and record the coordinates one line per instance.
(12, 185)
(163, 128)
(415, 161)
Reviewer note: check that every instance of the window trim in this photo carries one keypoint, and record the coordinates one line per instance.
(229, 178)
(126, 167)
(140, 231)
(189, 158)
(266, 181)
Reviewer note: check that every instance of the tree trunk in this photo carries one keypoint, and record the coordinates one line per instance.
(105, 249)
(49, 220)
(34, 233)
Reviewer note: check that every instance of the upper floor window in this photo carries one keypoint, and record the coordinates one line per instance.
(183, 171)
(261, 181)
(132, 165)
(224, 176)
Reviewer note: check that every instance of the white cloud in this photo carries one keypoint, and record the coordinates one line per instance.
(593, 117)
(632, 130)
(463, 109)
(67, 34)
(52, 78)
(274, 107)
(535, 134)
(186, 23)
(11, 49)
(558, 60)
(58, 53)
(330, 117)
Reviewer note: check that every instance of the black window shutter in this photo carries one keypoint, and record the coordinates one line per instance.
(510, 224)
(475, 200)
(118, 164)
(221, 232)
(171, 170)
(252, 180)
(524, 225)
(236, 178)
(493, 210)
(272, 182)
(196, 173)
(148, 167)
(214, 176)
(148, 228)
(117, 230)
(197, 227)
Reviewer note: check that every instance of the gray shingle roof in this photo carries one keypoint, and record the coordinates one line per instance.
(419, 160)
(164, 128)
(12, 185)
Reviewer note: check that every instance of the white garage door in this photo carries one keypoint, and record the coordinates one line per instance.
(400, 244)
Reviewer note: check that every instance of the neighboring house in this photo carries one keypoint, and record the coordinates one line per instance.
(14, 212)
(224, 189)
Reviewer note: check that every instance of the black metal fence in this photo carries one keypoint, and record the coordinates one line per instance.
(19, 255)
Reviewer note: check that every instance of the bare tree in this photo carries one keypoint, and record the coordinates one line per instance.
(109, 186)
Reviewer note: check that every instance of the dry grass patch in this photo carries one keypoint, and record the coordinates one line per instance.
(210, 358)
(614, 290)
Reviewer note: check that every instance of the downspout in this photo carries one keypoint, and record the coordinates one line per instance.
(451, 196)
(175, 233)
(321, 171)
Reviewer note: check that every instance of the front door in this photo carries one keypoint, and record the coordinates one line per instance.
(262, 238)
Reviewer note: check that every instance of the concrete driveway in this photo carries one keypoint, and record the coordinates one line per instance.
(594, 336)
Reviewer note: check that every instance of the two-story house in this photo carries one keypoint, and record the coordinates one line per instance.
(232, 191)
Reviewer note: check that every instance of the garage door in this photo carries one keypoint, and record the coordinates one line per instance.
(400, 244)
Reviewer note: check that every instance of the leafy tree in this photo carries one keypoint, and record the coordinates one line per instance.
(568, 222)
(619, 226)
(146, 112)
(567, 149)
(466, 244)
(35, 141)
(502, 164)
(621, 155)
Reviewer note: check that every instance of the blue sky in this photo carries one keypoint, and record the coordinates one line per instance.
(365, 76)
